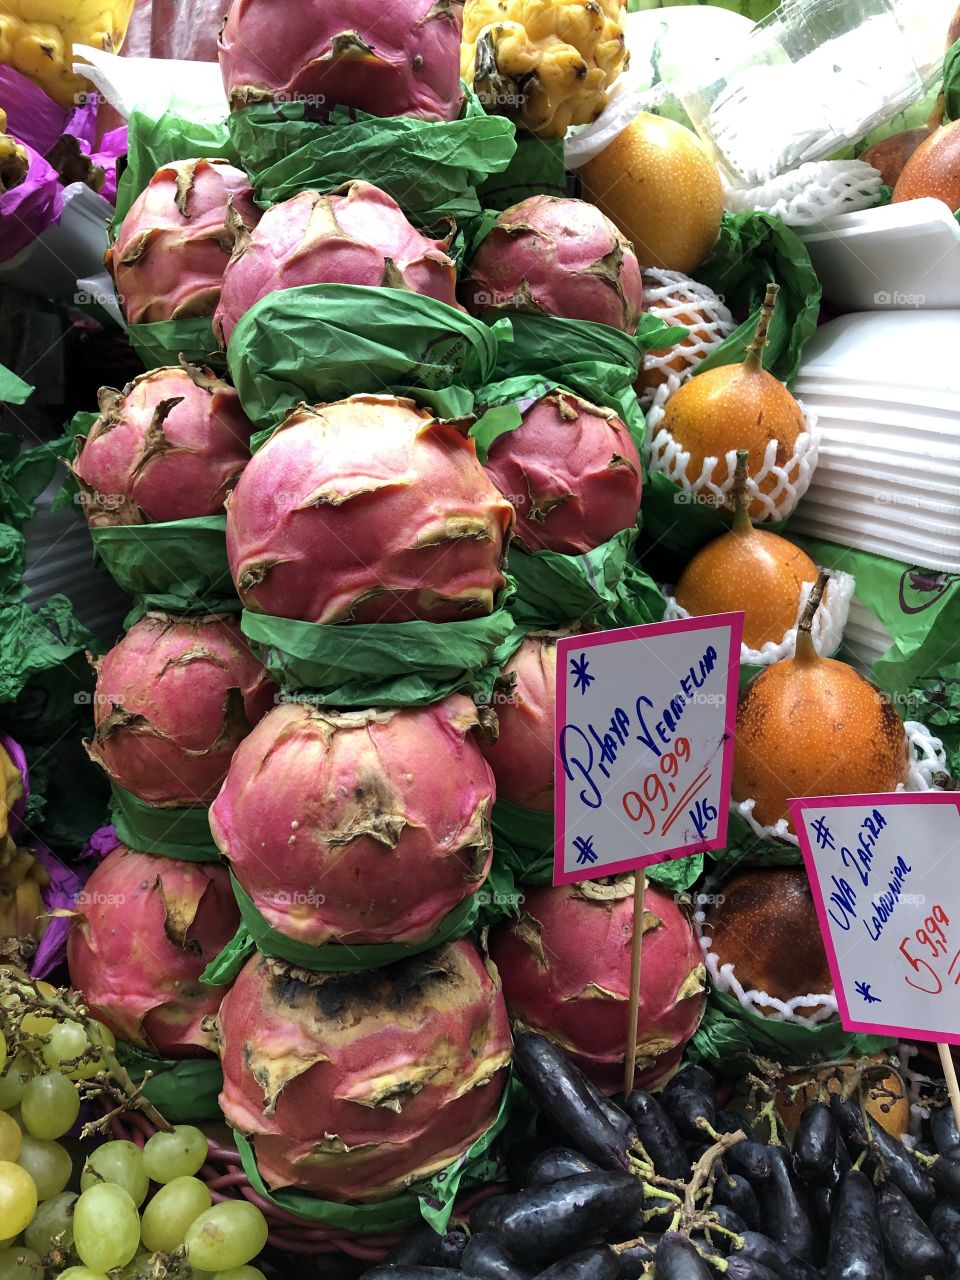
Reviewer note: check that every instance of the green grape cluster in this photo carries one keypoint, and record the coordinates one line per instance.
(124, 1213)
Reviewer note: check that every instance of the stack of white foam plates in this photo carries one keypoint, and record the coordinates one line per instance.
(865, 638)
(898, 256)
(886, 391)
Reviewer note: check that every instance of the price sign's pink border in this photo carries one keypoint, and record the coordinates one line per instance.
(883, 800)
(639, 636)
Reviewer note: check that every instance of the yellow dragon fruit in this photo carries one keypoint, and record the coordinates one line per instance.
(37, 39)
(547, 64)
(13, 158)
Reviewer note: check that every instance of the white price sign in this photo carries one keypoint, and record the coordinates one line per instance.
(883, 873)
(644, 751)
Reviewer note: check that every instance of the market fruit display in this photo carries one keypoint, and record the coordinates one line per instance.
(355, 1085)
(357, 235)
(358, 826)
(660, 186)
(522, 755)
(146, 928)
(173, 701)
(734, 407)
(14, 162)
(565, 968)
(37, 38)
(547, 65)
(174, 244)
(367, 510)
(748, 570)
(23, 912)
(396, 60)
(571, 471)
(811, 726)
(169, 446)
(553, 256)
(933, 169)
(764, 923)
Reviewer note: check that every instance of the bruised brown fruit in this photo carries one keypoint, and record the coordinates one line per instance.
(748, 570)
(738, 406)
(933, 169)
(886, 1098)
(812, 726)
(765, 925)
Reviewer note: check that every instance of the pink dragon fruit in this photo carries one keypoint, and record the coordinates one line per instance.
(174, 244)
(354, 1085)
(401, 59)
(356, 235)
(358, 826)
(571, 471)
(553, 256)
(167, 447)
(173, 701)
(523, 754)
(367, 510)
(145, 929)
(565, 966)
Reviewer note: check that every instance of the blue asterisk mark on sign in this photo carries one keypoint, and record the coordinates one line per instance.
(582, 679)
(863, 990)
(584, 848)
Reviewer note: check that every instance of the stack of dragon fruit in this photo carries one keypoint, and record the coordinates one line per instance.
(349, 827)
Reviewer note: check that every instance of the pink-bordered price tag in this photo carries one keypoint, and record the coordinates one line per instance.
(883, 871)
(645, 722)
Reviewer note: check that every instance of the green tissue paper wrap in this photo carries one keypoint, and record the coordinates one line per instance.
(184, 1091)
(429, 1201)
(383, 664)
(255, 934)
(431, 168)
(179, 566)
(320, 343)
(183, 834)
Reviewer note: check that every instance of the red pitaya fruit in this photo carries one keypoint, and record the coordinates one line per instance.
(553, 256)
(358, 826)
(173, 700)
(571, 471)
(401, 59)
(174, 244)
(522, 756)
(565, 966)
(144, 931)
(356, 235)
(354, 1085)
(367, 510)
(167, 447)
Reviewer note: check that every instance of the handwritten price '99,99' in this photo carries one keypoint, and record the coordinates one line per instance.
(656, 803)
(934, 938)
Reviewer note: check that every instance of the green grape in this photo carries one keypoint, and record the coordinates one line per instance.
(10, 1137)
(13, 1081)
(20, 1263)
(100, 1036)
(18, 1198)
(119, 1162)
(50, 1105)
(228, 1235)
(175, 1155)
(65, 1042)
(53, 1220)
(239, 1273)
(169, 1214)
(49, 1164)
(106, 1227)
(138, 1266)
(82, 1273)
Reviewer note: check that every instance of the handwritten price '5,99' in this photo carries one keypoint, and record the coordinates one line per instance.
(933, 937)
(657, 803)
